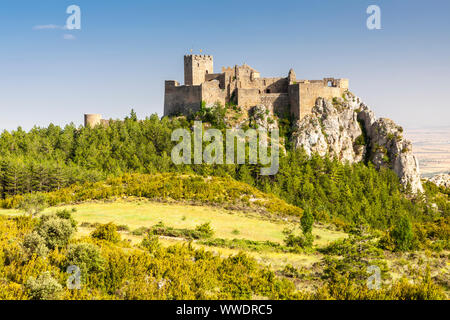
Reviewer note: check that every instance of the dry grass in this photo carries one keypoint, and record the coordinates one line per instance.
(136, 214)
(142, 213)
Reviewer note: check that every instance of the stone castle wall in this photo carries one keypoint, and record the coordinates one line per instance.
(181, 99)
(211, 93)
(247, 97)
(278, 103)
(310, 91)
(243, 85)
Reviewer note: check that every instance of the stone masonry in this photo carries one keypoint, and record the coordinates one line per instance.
(243, 86)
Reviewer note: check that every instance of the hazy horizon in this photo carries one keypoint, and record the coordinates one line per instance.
(124, 52)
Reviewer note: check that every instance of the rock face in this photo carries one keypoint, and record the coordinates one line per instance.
(263, 117)
(347, 129)
(441, 180)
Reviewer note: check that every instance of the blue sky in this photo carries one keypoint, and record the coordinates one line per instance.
(126, 49)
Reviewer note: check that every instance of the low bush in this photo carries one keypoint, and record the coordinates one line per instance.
(160, 229)
(106, 232)
(245, 244)
(302, 241)
(85, 256)
(44, 287)
(66, 214)
(55, 231)
(343, 288)
(205, 230)
(35, 244)
(151, 243)
(351, 257)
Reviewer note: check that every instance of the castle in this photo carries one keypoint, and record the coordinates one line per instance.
(243, 86)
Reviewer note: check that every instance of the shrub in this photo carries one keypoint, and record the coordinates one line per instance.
(290, 271)
(349, 258)
(245, 244)
(151, 243)
(205, 230)
(422, 289)
(106, 232)
(35, 244)
(177, 187)
(360, 141)
(160, 229)
(344, 288)
(86, 256)
(66, 214)
(123, 227)
(55, 231)
(45, 287)
(438, 229)
(33, 203)
(304, 241)
(140, 231)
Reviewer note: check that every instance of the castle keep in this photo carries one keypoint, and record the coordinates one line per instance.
(244, 86)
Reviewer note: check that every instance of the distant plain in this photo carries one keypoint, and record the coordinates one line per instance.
(432, 148)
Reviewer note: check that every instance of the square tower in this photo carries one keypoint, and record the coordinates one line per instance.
(196, 67)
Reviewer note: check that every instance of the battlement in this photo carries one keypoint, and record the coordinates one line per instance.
(198, 57)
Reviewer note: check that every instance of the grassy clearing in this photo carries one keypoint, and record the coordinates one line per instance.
(143, 213)
(136, 214)
(251, 226)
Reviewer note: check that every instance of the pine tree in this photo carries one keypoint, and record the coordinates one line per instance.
(307, 220)
(245, 175)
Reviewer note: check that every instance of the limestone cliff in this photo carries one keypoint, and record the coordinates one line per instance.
(347, 129)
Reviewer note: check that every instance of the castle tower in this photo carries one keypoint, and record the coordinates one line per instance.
(196, 67)
(91, 120)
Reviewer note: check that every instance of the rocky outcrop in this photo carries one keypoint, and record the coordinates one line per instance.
(330, 129)
(263, 117)
(441, 180)
(347, 129)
